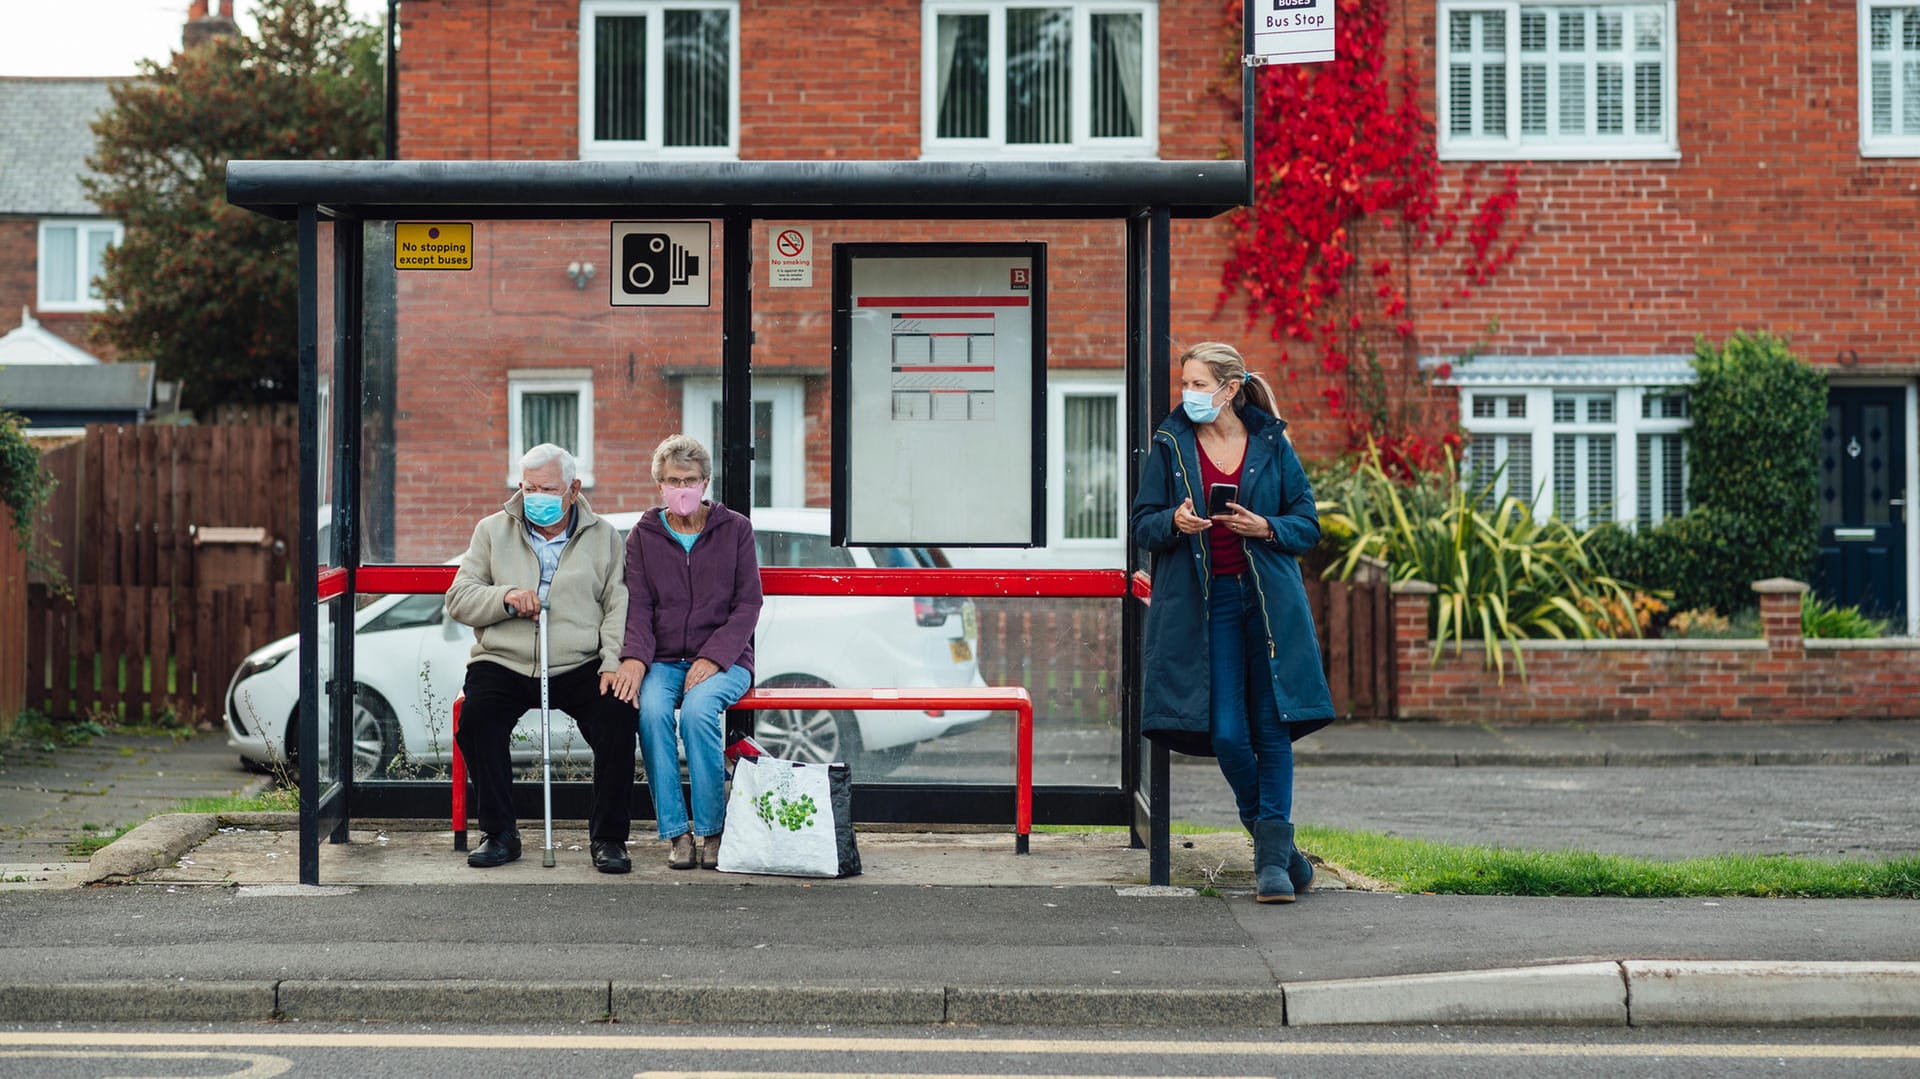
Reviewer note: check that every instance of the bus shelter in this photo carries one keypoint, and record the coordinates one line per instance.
(430, 291)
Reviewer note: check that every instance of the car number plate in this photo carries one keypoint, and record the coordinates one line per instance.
(962, 651)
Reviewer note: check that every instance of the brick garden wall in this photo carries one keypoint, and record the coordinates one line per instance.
(1779, 676)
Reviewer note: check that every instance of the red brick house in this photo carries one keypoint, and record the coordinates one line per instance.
(52, 237)
(1684, 170)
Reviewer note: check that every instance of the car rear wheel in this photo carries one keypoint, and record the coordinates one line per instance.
(820, 735)
(375, 736)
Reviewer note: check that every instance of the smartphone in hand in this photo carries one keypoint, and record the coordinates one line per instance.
(1218, 495)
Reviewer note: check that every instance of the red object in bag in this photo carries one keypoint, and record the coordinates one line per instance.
(744, 746)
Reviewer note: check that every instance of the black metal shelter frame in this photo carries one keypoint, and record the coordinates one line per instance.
(1145, 195)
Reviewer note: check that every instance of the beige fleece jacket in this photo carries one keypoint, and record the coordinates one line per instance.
(587, 598)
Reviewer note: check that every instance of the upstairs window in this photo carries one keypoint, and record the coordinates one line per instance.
(1040, 79)
(73, 255)
(1556, 80)
(659, 79)
(1890, 78)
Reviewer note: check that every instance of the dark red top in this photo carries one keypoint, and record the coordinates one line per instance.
(1229, 553)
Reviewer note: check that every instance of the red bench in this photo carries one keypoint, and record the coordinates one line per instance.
(990, 698)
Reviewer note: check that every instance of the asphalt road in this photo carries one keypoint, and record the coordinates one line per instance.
(1860, 812)
(709, 1053)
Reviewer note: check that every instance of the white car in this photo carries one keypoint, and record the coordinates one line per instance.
(410, 661)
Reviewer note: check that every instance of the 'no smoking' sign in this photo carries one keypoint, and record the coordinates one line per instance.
(790, 258)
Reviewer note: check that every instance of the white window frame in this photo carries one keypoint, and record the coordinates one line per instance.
(1582, 430)
(1540, 429)
(578, 380)
(1515, 427)
(1516, 147)
(1633, 425)
(788, 396)
(1060, 387)
(1146, 145)
(86, 299)
(1872, 145)
(592, 149)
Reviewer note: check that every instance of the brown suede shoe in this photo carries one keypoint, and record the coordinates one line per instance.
(710, 852)
(681, 857)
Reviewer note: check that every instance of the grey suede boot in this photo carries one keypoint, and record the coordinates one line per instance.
(1299, 870)
(1272, 853)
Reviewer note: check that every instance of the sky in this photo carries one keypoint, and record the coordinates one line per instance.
(107, 37)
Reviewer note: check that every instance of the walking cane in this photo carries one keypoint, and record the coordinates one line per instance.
(546, 742)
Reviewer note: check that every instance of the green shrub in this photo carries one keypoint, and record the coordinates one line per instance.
(1503, 577)
(1754, 456)
(25, 487)
(1818, 618)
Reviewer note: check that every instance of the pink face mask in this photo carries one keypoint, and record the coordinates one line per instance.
(682, 501)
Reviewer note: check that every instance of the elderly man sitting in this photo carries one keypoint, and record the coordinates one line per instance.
(545, 548)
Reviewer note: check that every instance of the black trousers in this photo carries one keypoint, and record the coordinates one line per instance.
(498, 697)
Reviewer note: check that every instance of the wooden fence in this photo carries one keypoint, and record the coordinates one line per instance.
(1067, 652)
(129, 628)
(135, 652)
(13, 620)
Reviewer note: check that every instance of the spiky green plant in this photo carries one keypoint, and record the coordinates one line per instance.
(1502, 576)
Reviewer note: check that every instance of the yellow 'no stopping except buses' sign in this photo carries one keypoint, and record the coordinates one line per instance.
(421, 245)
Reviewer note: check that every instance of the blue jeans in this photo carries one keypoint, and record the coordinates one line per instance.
(1252, 744)
(702, 717)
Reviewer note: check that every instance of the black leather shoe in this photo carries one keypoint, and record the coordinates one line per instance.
(495, 850)
(611, 857)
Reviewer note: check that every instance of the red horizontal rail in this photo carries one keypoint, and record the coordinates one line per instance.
(788, 581)
(332, 582)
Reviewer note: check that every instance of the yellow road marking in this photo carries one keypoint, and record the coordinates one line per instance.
(730, 1043)
(258, 1066)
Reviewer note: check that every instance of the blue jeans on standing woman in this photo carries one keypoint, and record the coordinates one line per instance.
(703, 714)
(1253, 746)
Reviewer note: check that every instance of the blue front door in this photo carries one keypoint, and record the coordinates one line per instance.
(1863, 491)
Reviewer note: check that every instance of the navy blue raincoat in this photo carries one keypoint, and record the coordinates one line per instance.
(1175, 684)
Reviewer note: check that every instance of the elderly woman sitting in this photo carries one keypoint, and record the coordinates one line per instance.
(693, 598)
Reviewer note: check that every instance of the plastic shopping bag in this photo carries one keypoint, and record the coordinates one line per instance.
(783, 817)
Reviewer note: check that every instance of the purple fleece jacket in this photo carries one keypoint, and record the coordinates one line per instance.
(698, 604)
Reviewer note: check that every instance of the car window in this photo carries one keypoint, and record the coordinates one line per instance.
(894, 558)
(806, 550)
(409, 612)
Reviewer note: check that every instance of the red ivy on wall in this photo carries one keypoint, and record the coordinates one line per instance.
(1347, 195)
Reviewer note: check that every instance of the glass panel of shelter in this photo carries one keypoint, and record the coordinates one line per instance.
(463, 368)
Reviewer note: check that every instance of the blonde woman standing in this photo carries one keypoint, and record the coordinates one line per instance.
(1231, 661)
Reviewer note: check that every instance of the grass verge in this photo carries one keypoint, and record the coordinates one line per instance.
(1418, 865)
(271, 800)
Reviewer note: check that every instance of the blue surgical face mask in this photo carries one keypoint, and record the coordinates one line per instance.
(1199, 405)
(542, 509)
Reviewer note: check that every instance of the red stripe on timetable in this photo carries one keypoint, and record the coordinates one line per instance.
(942, 301)
(943, 367)
(939, 314)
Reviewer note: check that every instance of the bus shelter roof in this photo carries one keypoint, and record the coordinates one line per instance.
(784, 190)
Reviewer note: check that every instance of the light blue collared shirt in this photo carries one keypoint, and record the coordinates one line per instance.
(547, 551)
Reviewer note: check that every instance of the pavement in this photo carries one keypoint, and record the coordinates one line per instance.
(197, 917)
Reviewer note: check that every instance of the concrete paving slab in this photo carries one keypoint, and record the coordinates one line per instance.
(443, 1001)
(1584, 994)
(139, 1000)
(778, 1003)
(1197, 1008)
(1727, 993)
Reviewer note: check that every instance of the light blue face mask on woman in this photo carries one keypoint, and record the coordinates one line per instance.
(542, 509)
(1199, 405)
